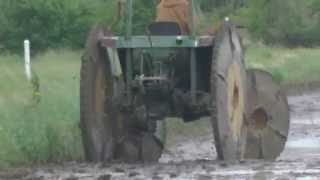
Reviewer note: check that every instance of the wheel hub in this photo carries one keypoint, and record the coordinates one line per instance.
(260, 119)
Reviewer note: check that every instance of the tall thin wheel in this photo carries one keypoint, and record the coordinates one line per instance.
(228, 89)
(108, 132)
(99, 143)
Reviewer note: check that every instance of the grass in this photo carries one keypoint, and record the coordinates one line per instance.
(48, 132)
(290, 66)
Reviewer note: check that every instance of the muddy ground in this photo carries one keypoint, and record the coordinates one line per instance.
(193, 156)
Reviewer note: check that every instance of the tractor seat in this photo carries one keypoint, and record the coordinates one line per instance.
(164, 29)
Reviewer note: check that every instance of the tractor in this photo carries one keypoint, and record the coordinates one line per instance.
(131, 83)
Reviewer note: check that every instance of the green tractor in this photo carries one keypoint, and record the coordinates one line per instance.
(131, 83)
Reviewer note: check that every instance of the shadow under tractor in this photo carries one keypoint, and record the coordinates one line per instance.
(130, 84)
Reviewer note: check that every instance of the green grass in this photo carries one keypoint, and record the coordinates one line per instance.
(49, 132)
(289, 66)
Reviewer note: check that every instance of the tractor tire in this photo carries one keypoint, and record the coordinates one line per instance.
(228, 89)
(268, 117)
(107, 131)
(98, 141)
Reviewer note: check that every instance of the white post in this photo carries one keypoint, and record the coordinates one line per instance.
(27, 59)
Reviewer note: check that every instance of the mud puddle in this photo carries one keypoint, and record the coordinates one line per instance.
(194, 157)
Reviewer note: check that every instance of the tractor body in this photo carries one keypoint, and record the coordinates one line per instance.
(162, 68)
(130, 83)
(164, 71)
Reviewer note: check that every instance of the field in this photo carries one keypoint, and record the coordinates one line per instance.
(32, 133)
(48, 131)
(289, 66)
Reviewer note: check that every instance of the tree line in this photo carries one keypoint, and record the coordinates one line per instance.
(65, 24)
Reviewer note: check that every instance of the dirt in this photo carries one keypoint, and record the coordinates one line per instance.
(301, 88)
(194, 158)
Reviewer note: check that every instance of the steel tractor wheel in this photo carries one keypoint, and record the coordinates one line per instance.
(107, 132)
(228, 88)
(268, 117)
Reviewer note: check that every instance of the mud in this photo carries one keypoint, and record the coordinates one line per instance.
(295, 88)
(194, 158)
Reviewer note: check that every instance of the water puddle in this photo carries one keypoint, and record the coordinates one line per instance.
(310, 143)
(306, 178)
(305, 109)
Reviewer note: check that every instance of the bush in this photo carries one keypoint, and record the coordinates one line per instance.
(47, 23)
(61, 23)
(286, 22)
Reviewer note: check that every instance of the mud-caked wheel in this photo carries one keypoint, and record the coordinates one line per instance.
(228, 89)
(107, 131)
(267, 116)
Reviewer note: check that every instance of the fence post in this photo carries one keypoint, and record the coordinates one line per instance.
(27, 59)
